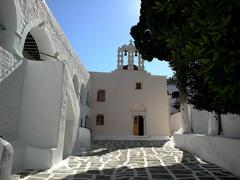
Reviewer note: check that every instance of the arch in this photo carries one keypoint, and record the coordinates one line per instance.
(70, 132)
(44, 45)
(76, 85)
(101, 95)
(30, 50)
(8, 24)
(82, 94)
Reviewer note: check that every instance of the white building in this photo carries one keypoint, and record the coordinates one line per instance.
(43, 87)
(129, 102)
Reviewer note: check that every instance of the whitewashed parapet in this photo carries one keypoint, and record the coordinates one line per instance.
(231, 125)
(204, 122)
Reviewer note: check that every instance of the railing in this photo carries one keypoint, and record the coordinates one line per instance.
(49, 56)
(6, 73)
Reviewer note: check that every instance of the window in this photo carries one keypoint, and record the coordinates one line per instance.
(101, 95)
(138, 85)
(100, 119)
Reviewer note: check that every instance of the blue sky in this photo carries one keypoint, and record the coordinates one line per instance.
(96, 28)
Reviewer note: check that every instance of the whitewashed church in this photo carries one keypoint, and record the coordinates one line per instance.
(49, 101)
(129, 102)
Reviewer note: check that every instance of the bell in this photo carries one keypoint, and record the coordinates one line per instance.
(136, 53)
(125, 52)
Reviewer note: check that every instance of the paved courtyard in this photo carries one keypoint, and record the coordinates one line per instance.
(136, 160)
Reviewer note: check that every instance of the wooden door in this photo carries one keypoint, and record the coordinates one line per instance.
(136, 126)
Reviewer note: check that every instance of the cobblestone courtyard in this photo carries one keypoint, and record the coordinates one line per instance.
(138, 160)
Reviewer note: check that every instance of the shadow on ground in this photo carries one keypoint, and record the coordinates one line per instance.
(136, 160)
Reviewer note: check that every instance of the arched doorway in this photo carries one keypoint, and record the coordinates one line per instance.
(138, 125)
(138, 112)
(8, 24)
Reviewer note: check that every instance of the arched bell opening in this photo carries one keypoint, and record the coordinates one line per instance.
(127, 56)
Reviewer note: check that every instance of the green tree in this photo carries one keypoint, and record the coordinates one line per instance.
(200, 40)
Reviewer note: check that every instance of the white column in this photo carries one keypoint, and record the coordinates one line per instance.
(130, 61)
(118, 59)
(140, 62)
(131, 57)
(212, 124)
(185, 119)
(121, 60)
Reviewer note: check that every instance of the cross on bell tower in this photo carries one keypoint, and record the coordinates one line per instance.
(131, 52)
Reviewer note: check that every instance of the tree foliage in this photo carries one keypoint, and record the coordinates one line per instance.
(201, 41)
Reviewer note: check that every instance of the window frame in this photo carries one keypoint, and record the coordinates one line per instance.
(101, 97)
(138, 85)
(100, 120)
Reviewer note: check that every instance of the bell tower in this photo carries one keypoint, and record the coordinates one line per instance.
(131, 53)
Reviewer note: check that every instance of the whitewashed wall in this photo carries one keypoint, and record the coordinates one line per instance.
(175, 122)
(122, 99)
(41, 102)
(231, 125)
(200, 121)
(10, 103)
